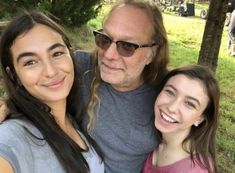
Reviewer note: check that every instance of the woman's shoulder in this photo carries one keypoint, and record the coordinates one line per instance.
(15, 130)
(185, 165)
(13, 142)
(21, 144)
(11, 126)
(188, 165)
(198, 167)
(148, 166)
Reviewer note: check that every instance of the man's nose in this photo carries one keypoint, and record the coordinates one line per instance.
(112, 52)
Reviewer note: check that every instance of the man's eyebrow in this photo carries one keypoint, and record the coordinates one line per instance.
(25, 54)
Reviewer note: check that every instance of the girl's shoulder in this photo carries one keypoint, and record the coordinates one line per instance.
(185, 165)
(15, 131)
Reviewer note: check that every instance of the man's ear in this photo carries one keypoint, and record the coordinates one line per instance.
(155, 50)
(152, 53)
(199, 121)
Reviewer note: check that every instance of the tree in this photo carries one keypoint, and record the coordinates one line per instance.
(211, 41)
(70, 12)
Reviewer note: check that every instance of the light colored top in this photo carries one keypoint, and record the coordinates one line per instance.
(182, 166)
(26, 154)
(124, 128)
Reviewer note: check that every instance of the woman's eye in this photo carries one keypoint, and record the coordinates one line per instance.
(169, 92)
(56, 54)
(31, 62)
(190, 104)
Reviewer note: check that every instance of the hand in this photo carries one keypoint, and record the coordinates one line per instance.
(3, 109)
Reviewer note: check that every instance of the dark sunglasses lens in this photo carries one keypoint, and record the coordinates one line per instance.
(126, 49)
(102, 41)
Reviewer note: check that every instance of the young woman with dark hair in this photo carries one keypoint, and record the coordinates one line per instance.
(43, 131)
(186, 114)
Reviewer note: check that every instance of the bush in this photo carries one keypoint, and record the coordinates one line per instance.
(72, 13)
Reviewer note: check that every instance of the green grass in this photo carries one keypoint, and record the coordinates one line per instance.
(185, 36)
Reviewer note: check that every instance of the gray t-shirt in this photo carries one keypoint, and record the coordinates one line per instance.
(26, 154)
(124, 128)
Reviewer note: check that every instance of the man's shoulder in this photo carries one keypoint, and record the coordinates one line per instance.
(84, 59)
(82, 55)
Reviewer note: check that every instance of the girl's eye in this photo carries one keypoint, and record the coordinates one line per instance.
(30, 62)
(169, 92)
(190, 104)
(57, 54)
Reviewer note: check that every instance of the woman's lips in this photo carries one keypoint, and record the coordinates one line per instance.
(55, 84)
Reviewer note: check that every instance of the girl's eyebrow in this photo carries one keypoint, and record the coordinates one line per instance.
(190, 97)
(55, 46)
(25, 54)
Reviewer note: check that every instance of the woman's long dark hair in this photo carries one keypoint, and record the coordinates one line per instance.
(23, 104)
(202, 137)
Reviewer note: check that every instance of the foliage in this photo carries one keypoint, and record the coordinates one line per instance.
(72, 13)
(97, 22)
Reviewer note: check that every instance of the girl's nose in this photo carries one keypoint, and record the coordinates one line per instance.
(173, 106)
(50, 69)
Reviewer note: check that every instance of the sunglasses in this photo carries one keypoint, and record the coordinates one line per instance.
(124, 48)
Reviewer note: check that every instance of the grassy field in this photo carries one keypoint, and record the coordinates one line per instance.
(185, 35)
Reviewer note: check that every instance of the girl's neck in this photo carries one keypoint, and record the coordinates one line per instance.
(174, 139)
(170, 150)
(58, 110)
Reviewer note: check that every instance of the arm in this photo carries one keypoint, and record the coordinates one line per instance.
(5, 166)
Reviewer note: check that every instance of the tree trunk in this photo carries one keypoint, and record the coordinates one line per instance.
(211, 41)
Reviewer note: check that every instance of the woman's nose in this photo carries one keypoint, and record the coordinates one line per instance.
(173, 105)
(50, 69)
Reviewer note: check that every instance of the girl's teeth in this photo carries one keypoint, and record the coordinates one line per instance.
(167, 118)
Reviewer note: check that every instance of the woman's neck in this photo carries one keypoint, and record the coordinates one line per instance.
(174, 138)
(170, 150)
(58, 110)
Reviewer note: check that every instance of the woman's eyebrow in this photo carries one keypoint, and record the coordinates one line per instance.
(25, 54)
(190, 97)
(55, 46)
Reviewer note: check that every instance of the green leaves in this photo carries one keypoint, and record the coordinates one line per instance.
(72, 13)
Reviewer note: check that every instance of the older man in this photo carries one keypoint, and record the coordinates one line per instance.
(131, 57)
(120, 83)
